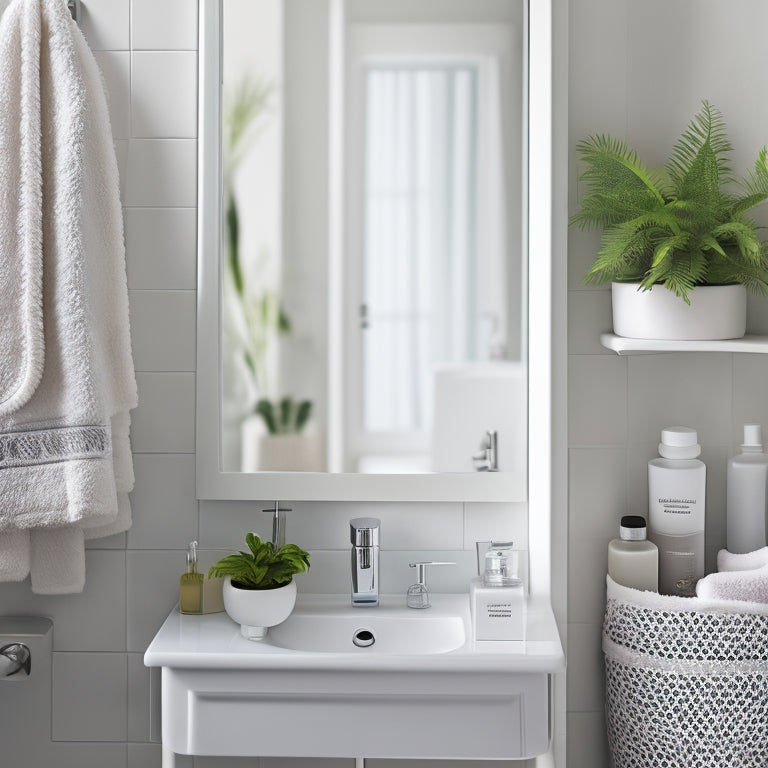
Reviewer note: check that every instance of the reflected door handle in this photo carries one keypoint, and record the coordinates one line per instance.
(364, 321)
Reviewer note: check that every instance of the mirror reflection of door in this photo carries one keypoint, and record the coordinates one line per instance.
(428, 210)
(429, 278)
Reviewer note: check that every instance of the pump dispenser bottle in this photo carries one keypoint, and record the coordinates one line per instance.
(191, 584)
(747, 495)
(676, 491)
(197, 592)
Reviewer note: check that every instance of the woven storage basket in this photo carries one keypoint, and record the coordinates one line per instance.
(686, 681)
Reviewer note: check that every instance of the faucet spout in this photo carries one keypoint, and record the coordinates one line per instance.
(364, 537)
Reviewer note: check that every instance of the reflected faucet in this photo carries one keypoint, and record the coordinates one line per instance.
(488, 458)
(364, 536)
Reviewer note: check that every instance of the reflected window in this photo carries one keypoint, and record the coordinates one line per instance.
(433, 224)
(420, 236)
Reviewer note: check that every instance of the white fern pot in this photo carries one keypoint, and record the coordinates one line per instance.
(255, 610)
(715, 312)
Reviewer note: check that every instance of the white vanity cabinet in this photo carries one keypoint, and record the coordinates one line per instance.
(225, 695)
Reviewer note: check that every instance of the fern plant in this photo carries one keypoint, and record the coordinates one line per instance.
(262, 567)
(681, 227)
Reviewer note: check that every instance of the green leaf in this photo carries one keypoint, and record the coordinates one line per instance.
(233, 244)
(286, 410)
(303, 413)
(699, 164)
(266, 411)
(619, 186)
(283, 321)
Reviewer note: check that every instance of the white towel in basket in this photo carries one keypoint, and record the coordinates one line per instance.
(751, 585)
(749, 561)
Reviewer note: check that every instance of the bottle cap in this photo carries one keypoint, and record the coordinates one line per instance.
(679, 443)
(632, 528)
(753, 438)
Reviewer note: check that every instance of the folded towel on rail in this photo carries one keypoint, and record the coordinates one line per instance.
(66, 378)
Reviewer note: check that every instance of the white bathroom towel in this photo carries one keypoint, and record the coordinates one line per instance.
(749, 561)
(67, 383)
(662, 603)
(750, 586)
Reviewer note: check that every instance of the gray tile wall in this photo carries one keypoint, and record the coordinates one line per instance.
(102, 707)
(639, 71)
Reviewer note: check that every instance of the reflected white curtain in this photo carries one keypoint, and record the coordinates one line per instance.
(420, 237)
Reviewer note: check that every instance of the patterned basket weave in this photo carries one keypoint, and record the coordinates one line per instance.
(686, 682)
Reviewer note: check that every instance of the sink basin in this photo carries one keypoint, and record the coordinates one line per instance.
(307, 690)
(329, 624)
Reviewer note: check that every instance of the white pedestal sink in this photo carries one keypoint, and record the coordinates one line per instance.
(422, 689)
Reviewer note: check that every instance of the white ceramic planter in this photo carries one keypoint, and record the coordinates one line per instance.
(255, 610)
(715, 312)
(262, 452)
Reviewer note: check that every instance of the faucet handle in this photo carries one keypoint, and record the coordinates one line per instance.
(364, 531)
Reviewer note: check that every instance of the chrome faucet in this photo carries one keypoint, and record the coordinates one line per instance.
(364, 536)
(278, 524)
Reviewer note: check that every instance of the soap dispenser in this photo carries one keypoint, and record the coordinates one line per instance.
(199, 593)
(191, 584)
(497, 598)
(417, 595)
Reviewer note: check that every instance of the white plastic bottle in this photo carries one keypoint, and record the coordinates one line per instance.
(632, 560)
(676, 491)
(747, 494)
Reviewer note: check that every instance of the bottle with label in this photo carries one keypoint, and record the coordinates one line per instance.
(747, 495)
(633, 560)
(676, 491)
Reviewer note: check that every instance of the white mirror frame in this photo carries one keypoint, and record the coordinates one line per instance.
(212, 482)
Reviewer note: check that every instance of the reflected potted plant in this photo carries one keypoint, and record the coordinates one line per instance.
(677, 245)
(261, 314)
(259, 590)
(279, 437)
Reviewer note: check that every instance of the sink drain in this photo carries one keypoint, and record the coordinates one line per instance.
(362, 638)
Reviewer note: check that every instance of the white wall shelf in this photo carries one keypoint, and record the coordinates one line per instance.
(751, 343)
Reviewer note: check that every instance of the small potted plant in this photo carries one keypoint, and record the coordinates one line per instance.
(259, 590)
(677, 244)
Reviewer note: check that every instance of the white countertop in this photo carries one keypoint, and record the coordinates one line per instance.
(213, 641)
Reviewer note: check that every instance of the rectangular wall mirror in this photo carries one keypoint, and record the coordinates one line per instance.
(362, 317)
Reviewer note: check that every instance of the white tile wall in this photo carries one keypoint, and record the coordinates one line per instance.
(163, 330)
(161, 246)
(164, 94)
(164, 421)
(90, 695)
(162, 26)
(161, 173)
(618, 406)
